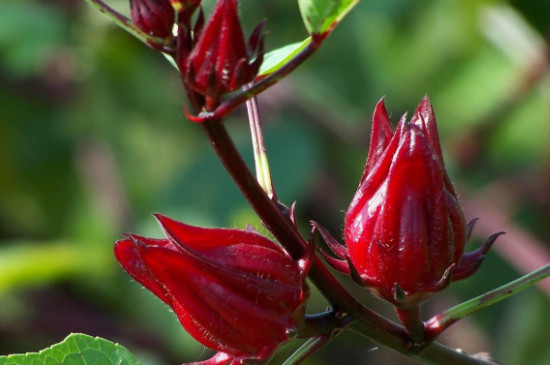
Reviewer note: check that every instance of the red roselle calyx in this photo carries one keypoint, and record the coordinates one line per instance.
(234, 291)
(404, 229)
(158, 17)
(154, 17)
(221, 61)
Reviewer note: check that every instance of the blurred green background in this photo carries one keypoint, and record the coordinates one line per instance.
(93, 140)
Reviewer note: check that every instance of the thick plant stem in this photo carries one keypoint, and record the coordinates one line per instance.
(367, 322)
(252, 191)
(434, 354)
(412, 320)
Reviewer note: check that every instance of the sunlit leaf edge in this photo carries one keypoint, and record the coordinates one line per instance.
(277, 58)
(321, 16)
(76, 348)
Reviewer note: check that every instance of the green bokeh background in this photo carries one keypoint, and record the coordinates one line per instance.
(93, 140)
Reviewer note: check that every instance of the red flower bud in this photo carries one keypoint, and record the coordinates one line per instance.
(404, 230)
(154, 17)
(221, 61)
(234, 291)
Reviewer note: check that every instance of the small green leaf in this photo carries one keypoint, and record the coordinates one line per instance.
(277, 58)
(76, 349)
(321, 16)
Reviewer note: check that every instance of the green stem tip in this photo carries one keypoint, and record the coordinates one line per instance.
(443, 320)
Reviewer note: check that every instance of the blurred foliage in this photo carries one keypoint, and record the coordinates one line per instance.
(93, 140)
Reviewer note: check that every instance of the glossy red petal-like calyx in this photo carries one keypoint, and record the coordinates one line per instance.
(154, 17)
(234, 291)
(404, 229)
(221, 61)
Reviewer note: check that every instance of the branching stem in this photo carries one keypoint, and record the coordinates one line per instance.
(445, 319)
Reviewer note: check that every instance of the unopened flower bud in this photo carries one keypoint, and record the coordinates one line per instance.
(221, 61)
(234, 291)
(404, 229)
(154, 17)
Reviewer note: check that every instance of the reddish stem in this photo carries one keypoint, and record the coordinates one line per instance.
(412, 320)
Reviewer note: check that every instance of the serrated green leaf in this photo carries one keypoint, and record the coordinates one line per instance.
(76, 349)
(277, 58)
(321, 16)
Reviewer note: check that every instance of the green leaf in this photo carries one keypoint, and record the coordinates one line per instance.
(76, 349)
(277, 58)
(321, 16)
